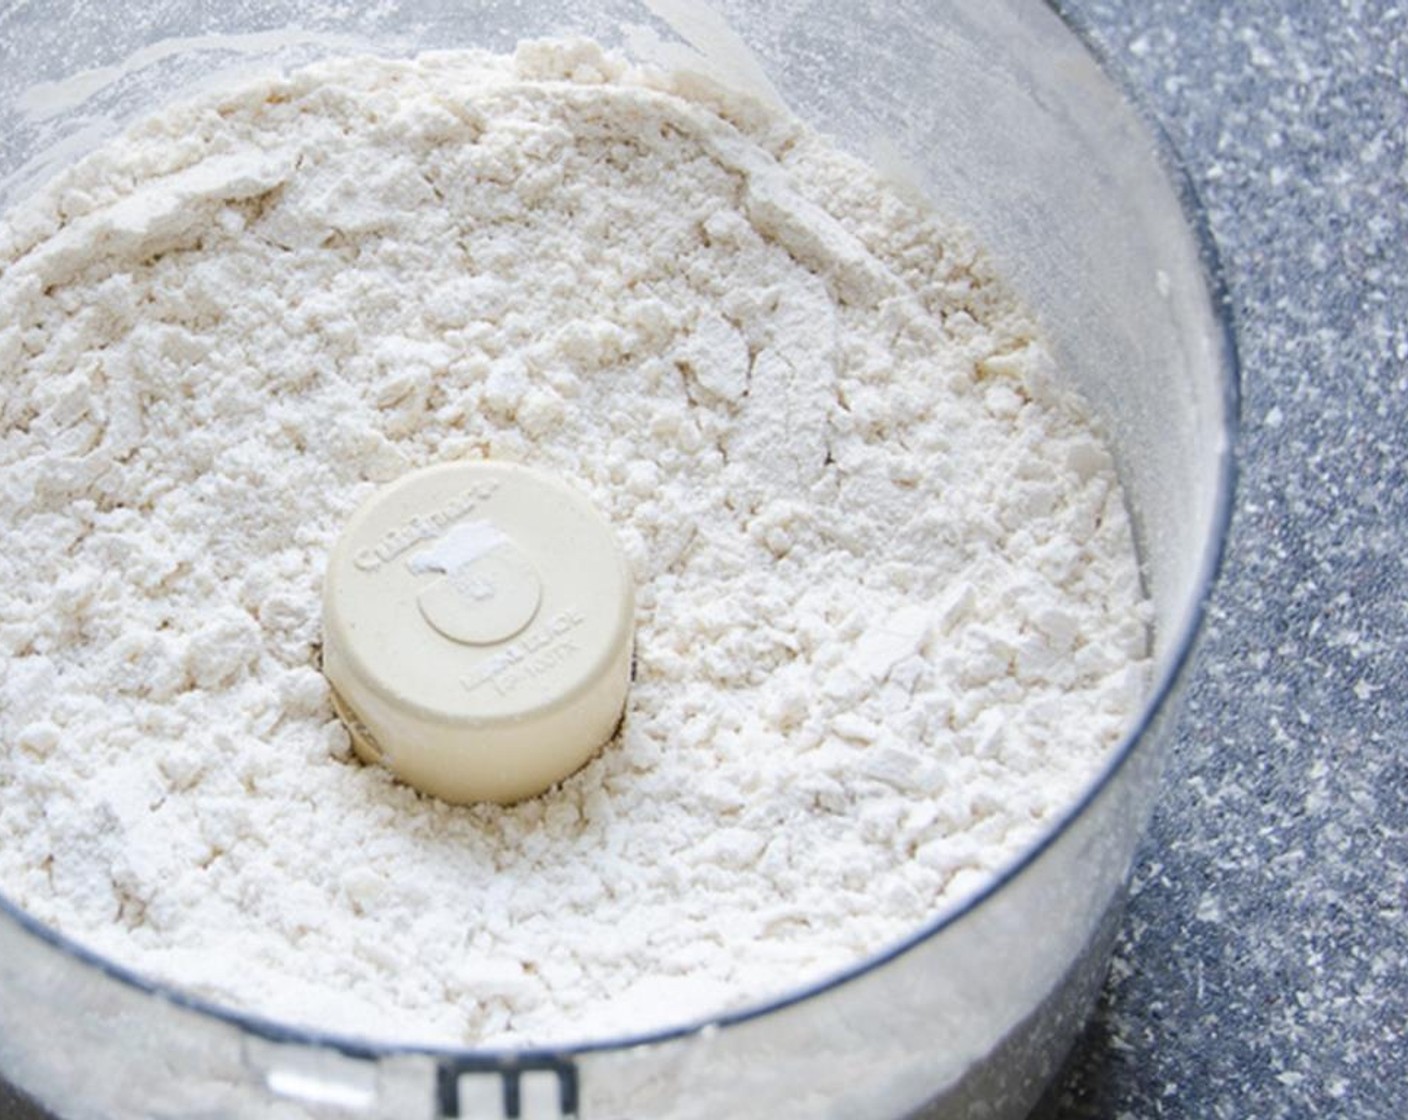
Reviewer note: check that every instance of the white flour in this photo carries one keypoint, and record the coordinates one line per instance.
(889, 612)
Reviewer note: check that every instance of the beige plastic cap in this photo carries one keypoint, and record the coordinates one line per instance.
(478, 627)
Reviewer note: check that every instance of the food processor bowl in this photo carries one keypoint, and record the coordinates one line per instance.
(997, 112)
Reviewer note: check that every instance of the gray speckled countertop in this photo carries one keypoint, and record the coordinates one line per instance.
(1263, 968)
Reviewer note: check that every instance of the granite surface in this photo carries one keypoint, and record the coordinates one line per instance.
(1263, 967)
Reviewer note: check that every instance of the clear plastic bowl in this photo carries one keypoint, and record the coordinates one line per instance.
(1000, 114)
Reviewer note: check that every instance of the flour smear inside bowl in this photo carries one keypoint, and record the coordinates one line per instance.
(889, 616)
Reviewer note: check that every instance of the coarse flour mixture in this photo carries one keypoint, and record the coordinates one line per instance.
(890, 618)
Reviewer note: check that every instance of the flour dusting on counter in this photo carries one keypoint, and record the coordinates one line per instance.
(889, 613)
